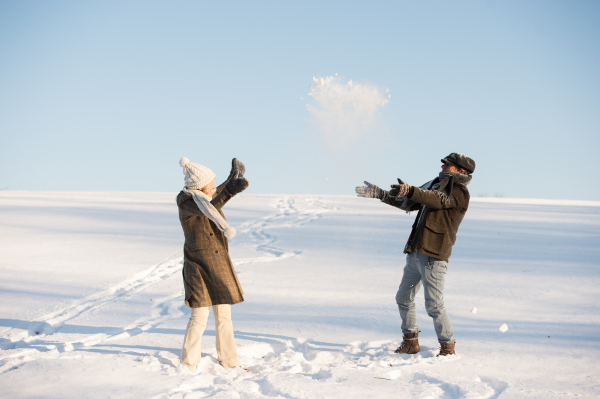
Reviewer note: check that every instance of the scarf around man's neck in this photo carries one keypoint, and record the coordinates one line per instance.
(442, 185)
(203, 202)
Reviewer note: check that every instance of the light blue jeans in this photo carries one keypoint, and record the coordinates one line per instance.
(430, 273)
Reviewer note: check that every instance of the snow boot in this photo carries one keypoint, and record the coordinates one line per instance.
(410, 344)
(447, 349)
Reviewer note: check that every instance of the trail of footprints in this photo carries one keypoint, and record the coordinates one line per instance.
(37, 339)
(291, 213)
(34, 339)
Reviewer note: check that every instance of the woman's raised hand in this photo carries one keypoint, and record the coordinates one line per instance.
(236, 166)
(237, 184)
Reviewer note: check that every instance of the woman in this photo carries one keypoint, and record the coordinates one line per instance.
(209, 278)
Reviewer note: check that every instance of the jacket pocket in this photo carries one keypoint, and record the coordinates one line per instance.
(434, 238)
(198, 244)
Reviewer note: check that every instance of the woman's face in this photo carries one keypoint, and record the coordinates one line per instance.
(210, 188)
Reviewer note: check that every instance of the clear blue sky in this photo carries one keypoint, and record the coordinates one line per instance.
(108, 95)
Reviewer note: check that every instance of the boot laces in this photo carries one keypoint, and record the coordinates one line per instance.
(444, 351)
(406, 342)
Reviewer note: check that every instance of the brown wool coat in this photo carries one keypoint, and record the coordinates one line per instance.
(208, 274)
(434, 230)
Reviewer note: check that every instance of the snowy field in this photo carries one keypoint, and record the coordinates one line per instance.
(92, 306)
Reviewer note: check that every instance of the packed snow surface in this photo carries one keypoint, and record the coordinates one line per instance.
(92, 303)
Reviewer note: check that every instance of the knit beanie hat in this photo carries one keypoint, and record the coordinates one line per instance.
(196, 175)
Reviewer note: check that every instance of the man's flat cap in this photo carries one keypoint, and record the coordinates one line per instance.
(460, 160)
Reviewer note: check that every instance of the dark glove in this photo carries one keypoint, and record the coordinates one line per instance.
(237, 184)
(400, 190)
(370, 191)
(236, 166)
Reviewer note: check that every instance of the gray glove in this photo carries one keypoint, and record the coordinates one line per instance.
(370, 191)
(237, 184)
(400, 190)
(236, 166)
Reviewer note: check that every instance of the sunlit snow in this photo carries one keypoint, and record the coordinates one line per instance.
(92, 304)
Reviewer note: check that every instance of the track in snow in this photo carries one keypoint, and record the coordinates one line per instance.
(291, 213)
(35, 340)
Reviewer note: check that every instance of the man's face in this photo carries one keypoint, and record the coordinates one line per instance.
(450, 168)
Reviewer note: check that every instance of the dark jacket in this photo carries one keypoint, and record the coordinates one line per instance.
(208, 274)
(434, 230)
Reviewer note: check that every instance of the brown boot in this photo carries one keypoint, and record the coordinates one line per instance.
(447, 349)
(410, 344)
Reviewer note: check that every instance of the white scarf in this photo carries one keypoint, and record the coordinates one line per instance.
(203, 202)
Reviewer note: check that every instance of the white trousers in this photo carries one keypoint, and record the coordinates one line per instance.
(192, 342)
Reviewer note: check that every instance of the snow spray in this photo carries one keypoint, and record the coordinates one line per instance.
(344, 112)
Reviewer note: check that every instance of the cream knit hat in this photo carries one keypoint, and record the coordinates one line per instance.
(196, 175)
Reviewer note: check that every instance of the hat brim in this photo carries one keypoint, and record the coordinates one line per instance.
(446, 160)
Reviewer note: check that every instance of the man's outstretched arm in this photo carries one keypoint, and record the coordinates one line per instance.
(438, 200)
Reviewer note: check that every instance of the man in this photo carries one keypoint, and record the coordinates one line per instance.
(442, 204)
